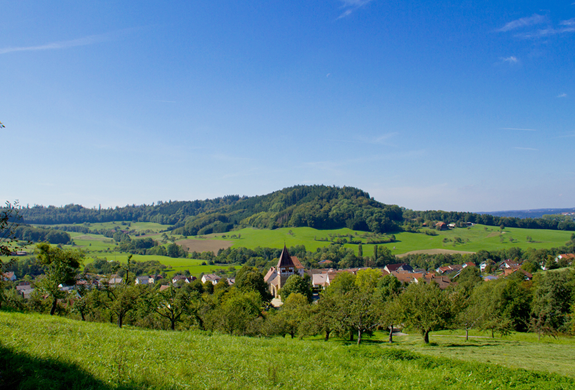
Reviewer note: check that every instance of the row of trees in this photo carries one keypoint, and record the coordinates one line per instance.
(352, 306)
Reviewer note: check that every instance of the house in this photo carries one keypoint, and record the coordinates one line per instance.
(25, 289)
(231, 281)
(319, 280)
(441, 226)
(144, 280)
(527, 275)
(449, 269)
(9, 276)
(115, 280)
(508, 264)
(451, 225)
(213, 278)
(489, 278)
(468, 264)
(277, 277)
(177, 278)
(398, 267)
(300, 269)
(568, 257)
(154, 278)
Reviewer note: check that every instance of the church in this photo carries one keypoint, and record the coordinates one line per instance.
(277, 276)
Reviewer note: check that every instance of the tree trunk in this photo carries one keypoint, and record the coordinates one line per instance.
(173, 324)
(120, 320)
(466, 334)
(54, 304)
(351, 335)
(391, 334)
(426, 336)
(359, 337)
(82, 314)
(492, 334)
(327, 332)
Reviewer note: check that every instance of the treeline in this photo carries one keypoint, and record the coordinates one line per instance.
(352, 306)
(147, 246)
(486, 219)
(338, 256)
(320, 207)
(34, 234)
(167, 213)
(317, 206)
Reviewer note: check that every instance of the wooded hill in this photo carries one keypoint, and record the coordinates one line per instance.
(317, 206)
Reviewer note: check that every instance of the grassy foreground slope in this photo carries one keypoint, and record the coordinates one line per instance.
(38, 351)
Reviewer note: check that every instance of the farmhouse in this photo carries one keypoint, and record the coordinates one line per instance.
(212, 278)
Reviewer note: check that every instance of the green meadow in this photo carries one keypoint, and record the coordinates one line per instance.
(39, 351)
(470, 239)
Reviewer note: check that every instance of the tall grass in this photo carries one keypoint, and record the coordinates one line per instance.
(55, 353)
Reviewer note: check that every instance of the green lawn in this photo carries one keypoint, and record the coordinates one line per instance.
(38, 351)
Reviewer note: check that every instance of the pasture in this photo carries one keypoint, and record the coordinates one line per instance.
(36, 352)
(470, 239)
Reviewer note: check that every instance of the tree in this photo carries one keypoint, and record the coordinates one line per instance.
(427, 308)
(61, 267)
(171, 303)
(552, 301)
(297, 284)
(293, 313)
(236, 311)
(367, 279)
(250, 279)
(8, 224)
(323, 317)
(360, 312)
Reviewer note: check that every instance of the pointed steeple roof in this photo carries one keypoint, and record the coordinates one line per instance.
(285, 259)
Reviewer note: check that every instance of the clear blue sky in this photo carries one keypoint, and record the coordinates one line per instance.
(452, 105)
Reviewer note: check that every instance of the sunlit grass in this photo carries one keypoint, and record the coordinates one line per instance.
(47, 347)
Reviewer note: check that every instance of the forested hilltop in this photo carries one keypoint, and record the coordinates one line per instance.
(317, 206)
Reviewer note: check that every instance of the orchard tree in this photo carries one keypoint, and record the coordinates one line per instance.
(61, 268)
(427, 308)
(171, 303)
(297, 284)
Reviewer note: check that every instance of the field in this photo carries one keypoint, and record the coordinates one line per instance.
(459, 240)
(38, 351)
(470, 239)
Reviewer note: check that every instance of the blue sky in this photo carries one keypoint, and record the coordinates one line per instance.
(452, 105)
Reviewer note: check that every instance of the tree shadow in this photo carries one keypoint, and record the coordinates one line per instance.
(22, 371)
(453, 345)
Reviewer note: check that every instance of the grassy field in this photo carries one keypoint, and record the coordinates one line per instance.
(38, 351)
(460, 239)
(471, 239)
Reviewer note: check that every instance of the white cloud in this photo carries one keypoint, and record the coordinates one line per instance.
(562, 95)
(523, 22)
(89, 40)
(351, 5)
(510, 59)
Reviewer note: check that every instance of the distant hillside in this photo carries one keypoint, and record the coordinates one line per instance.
(317, 206)
(320, 207)
(537, 213)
